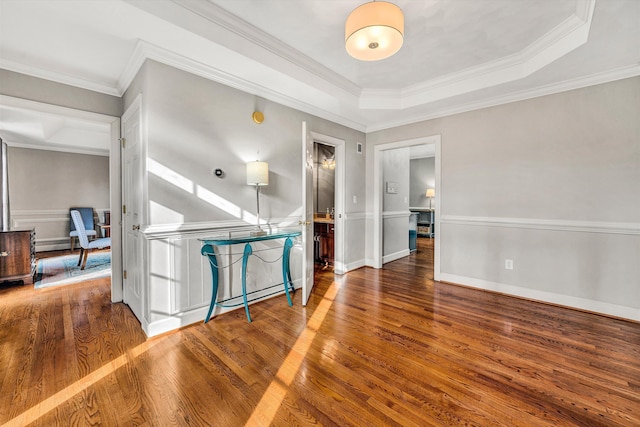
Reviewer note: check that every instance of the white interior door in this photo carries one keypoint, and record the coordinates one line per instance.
(132, 215)
(307, 213)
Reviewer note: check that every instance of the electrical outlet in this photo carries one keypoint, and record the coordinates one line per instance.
(508, 264)
(355, 199)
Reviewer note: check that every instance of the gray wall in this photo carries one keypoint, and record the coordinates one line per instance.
(552, 183)
(422, 175)
(196, 125)
(43, 185)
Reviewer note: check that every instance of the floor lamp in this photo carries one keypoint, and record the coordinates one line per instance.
(258, 175)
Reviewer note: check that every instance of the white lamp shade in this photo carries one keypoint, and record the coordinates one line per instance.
(374, 31)
(431, 192)
(258, 173)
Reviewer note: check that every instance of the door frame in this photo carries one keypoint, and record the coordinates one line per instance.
(339, 227)
(114, 174)
(377, 196)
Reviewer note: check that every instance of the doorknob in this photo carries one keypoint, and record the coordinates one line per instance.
(304, 222)
(136, 227)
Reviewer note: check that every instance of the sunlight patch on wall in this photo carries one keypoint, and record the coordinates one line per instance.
(219, 202)
(169, 175)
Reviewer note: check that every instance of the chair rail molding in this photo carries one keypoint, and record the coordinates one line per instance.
(630, 228)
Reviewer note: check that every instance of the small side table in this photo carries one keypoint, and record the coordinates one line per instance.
(245, 237)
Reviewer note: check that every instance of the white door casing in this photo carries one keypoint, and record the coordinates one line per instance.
(132, 194)
(307, 213)
(377, 197)
(340, 185)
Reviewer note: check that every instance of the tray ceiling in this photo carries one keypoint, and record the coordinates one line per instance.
(457, 55)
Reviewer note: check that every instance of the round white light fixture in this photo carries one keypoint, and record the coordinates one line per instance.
(374, 31)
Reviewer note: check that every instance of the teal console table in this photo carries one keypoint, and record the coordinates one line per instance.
(235, 238)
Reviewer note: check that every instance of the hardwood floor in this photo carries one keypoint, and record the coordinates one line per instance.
(372, 348)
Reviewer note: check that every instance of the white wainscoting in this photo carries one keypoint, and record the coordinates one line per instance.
(52, 226)
(354, 250)
(179, 282)
(395, 243)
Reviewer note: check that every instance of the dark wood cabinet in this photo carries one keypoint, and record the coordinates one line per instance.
(17, 256)
(324, 236)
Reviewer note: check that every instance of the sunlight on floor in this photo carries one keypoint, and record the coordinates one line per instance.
(272, 398)
(49, 404)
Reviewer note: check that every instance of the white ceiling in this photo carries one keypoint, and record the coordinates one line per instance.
(457, 55)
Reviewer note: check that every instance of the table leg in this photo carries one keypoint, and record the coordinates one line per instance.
(286, 271)
(211, 255)
(245, 257)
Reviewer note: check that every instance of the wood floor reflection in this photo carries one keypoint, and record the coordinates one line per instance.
(372, 348)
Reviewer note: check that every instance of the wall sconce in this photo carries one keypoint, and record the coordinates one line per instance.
(258, 175)
(431, 193)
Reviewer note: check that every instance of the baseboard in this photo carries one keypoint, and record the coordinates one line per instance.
(392, 257)
(355, 265)
(544, 296)
(185, 318)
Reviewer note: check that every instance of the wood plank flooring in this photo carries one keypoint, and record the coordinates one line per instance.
(383, 347)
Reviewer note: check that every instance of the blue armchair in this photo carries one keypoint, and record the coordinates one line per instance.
(87, 218)
(85, 244)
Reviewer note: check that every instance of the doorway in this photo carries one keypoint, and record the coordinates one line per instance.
(378, 188)
(339, 163)
(324, 186)
(113, 123)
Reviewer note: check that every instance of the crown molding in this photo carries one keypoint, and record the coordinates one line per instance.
(572, 33)
(145, 50)
(220, 17)
(567, 85)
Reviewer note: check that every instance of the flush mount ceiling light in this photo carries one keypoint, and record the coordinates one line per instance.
(374, 31)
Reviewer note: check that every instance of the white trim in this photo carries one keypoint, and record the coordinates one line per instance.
(572, 33)
(49, 212)
(222, 18)
(550, 89)
(340, 227)
(395, 256)
(557, 42)
(162, 55)
(377, 231)
(550, 297)
(357, 216)
(355, 265)
(163, 231)
(396, 214)
(630, 228)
